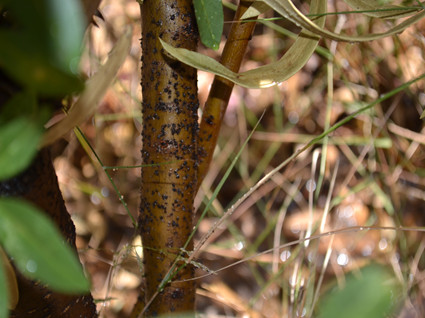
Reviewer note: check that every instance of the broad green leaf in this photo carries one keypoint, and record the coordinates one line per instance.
(288, 10)
(290, 63)
(209, 16)
(66, 21)
(53, 29)
(33, 70)
(372, 293)
(37, 247)
(96, 86)
(44, 46)
(18, 145)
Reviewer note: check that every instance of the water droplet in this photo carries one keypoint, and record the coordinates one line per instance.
(285, 255)
(310, 185)
(367, 250)
(347, 212)
(342, 259)
(301, 313)
(239, 245)
(293, 117)
(383, 244)
(31, 266)
(95, 198)
(105, 192)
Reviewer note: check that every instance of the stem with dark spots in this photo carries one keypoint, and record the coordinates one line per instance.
(170, 105)
(221, 89)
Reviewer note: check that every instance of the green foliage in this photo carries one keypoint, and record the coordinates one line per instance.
(43, 45)
(372, 293)
(37, 248)
(209, 16)
(21, 127)
(42, 54)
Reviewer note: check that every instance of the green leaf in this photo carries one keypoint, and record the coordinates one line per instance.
(37, 247)
(4, 294)
(44, 45)
(209, 16)
(372, 293)
(21, 128)
(33, 69)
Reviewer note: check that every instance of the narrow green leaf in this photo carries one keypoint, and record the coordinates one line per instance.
(209, 16)
(37, 247)
(371, 294)
(4, 295)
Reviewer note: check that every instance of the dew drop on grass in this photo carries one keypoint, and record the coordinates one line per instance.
(301, 313)
(285, 255)
(105, 192)
(293, 117)
(31, 266)
(94, 198)
(239, 245)
(310, 185)
(342, 259)
(383, 244)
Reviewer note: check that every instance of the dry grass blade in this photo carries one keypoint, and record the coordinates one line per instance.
(377, 9)
(288, 10)
(12, 284)
(95, 89)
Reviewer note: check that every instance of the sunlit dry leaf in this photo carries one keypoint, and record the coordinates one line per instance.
(376, 9)
(12, 285)
(265, 76)
(96, 86)
(288, 10)
(255, 9)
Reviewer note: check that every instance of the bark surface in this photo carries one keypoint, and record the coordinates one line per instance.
(170, 105)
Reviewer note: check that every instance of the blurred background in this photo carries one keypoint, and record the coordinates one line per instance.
(369, 172)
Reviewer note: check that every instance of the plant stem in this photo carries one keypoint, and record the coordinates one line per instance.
(221, 89)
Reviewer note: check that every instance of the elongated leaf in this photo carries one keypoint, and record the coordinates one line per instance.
(372, 294)
(291, 62)
(38, 249)
(378, 9)
(288, 10)
(209, 16)
(96, 87)
(256, 8)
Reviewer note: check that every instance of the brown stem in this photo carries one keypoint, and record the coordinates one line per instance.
(170, 105)
(221, 89)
